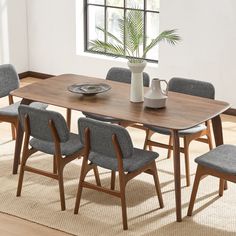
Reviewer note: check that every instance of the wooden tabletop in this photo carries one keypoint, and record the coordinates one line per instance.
(182, 111)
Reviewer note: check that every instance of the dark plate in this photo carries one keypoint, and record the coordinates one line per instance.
(89, 89)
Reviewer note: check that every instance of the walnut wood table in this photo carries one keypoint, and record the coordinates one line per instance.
(182, 112)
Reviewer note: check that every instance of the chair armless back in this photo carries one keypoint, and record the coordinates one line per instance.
(39, 123)
(101, 137)
(123, 75)
(9, 79)
(192, 87)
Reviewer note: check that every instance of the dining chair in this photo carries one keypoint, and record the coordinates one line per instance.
(46, 131)
(189, 87)
(9, 81)
(219, 162)
(122, 75)
(110, 146)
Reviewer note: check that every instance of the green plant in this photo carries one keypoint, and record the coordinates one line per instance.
(131, 29)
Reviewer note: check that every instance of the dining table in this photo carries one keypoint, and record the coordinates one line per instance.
(181, 112)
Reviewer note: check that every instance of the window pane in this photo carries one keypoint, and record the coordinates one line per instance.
(153, 5)
(135, 4)
(152, 33)
(113, 16)
(96, 1)
(116, 3)
(95, 18)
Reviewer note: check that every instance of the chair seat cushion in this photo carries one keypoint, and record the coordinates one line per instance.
(71, 146)
(222, 158)
(101, 118)
(12, 110)
(183, 132)
(139, 159)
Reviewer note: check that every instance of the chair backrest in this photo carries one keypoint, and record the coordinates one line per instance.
(9, 79)
(101, 137)
(39, 123)
(123, 75)
(192, 87)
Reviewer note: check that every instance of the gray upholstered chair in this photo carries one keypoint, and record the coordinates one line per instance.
(110, 146)
(9, 81)
(49, 134)
(219, 162)
(190, 87)
(122, 75)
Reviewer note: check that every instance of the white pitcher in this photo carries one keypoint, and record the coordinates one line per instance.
(156, 97)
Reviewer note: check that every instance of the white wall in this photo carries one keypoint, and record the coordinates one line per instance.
(206, 52)
(14, 34)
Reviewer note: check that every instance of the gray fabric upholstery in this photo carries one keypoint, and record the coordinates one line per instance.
(39, 120)
(71, 146)
(138, 159)
(117, 74)
(192, 87)
(184, 132)
(12, 110)
(9, 79)
(222, 158)
(102, 118)
(124, 75)
(102, 149)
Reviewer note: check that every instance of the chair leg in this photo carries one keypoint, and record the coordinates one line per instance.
(170, 144)
(149, 134)
(54, 165)
(96, 174)
(221, 187)
(157, 185)
(13, 132)
(113, 179)
(198, 177)
(186, 156)
(61, 186)
(123, 200)
(21, 176)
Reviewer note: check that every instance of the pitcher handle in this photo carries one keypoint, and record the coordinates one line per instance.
(165, 92)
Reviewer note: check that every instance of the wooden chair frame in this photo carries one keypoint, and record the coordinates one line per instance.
(13, 120)
(123, 178)
(201, 173)
(58, 161)
(187, 139)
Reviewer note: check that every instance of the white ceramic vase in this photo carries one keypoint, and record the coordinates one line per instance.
(136, 88)
(156, 97)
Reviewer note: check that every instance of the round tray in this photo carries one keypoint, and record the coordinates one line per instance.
(89, 89)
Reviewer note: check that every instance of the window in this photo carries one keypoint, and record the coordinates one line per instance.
(105, 14)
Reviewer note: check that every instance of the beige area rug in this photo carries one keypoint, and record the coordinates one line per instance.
(100, 214)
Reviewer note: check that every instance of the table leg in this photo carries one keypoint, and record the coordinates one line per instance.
(177, 176)
(18, 144)
(218, 134)
(68, 118)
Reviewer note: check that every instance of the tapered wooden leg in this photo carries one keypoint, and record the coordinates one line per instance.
(177, 175)
(157, 185)
(68, 118)
(221, 187)
(170, 144)
(96, 174)
(186, 156)
(113, 179)
(21, 177)
(13, 132)
(61, 187)
(54, 165)
(123, 206)
(78, 196)
(194, 191)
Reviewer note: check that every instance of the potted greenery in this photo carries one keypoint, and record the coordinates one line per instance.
(131, 28)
